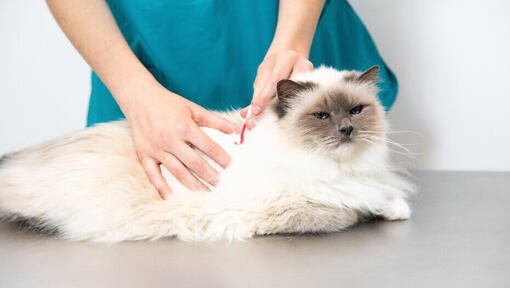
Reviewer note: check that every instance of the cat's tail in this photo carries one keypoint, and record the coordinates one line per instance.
(13, 207)
(14, 177)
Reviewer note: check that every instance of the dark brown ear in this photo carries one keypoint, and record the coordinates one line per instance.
(287, 91)
(369, 76)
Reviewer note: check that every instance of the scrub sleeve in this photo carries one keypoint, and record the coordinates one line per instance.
(208, 51)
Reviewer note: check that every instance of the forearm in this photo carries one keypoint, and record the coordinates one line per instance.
(91, 28)
(297, 20)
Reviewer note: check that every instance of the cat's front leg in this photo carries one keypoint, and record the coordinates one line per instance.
(396, 209)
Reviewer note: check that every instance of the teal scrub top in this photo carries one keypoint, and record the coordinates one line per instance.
(208, 51)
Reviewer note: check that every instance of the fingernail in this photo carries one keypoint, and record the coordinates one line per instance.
(255, 110)
(250, 123)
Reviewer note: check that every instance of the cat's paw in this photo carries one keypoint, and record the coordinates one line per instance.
(397, 209)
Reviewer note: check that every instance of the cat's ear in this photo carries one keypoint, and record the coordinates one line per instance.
(286, 91)
(370, 75)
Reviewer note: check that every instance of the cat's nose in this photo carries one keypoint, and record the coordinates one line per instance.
(346, 130)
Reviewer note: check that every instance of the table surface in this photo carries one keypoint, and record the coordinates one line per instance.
(458, 236)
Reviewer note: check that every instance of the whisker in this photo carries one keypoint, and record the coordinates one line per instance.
(393, 132)
(404, 153)
(388, 141)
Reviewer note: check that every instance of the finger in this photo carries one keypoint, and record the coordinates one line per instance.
(197, 164)
(250, 124)
(210, 148)
(263, 73)
(281, 70)
(244, 112)
(153, 172)
(181, 173)
(206, 118)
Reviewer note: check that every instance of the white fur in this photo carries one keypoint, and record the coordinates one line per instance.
(91, 186)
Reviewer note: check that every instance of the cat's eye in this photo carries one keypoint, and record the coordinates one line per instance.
(321, 115)
(356, 110)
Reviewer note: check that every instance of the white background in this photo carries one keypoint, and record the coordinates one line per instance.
(452, 58)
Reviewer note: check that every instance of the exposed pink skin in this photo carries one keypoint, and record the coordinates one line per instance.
(241, 135)
(241, 140)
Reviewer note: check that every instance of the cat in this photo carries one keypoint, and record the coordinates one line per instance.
(317, 161)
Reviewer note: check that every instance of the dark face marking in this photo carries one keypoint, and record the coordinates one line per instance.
(348, 116)
(329, 117)
(287, 91)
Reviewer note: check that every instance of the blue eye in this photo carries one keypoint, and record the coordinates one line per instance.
(356, 110)
(321, 115)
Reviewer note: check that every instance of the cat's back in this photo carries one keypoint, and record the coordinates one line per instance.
(110, 139)
(98, 161)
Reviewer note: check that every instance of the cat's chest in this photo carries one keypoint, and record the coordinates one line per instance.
(267, 164)
(256, 171)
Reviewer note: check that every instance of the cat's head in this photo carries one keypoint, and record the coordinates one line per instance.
(337, 112)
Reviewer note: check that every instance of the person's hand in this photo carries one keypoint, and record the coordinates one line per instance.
(166, 130)
(276, 66)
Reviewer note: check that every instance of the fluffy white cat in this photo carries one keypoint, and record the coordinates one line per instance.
(317, 161)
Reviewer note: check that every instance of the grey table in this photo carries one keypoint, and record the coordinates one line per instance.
(459, 236)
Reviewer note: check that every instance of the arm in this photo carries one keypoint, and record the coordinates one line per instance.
(91, 28)
(289, 50)
(297, 20)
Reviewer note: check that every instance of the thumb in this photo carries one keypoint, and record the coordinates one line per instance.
(262, 98)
